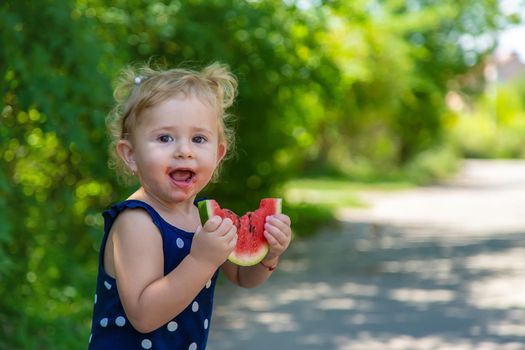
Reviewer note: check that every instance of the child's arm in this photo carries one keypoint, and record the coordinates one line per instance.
(151, 299)
(278, 233)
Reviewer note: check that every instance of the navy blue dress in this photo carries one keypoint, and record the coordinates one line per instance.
(111, 330)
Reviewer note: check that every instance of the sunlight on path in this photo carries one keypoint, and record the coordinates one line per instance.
(486, 197)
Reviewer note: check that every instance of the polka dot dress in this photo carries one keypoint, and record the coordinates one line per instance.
(110, 327)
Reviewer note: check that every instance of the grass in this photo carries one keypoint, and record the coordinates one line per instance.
(336, 193)
(313, 203)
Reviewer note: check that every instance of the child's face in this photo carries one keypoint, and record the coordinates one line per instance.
(175, 148)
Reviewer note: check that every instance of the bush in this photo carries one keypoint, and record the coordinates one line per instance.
(495, 126)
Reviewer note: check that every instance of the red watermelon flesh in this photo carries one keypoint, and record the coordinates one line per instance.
(251, 246)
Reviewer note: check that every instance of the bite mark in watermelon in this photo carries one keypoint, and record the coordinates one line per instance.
(251, 246)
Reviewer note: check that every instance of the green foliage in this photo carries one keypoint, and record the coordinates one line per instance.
(398, 62)
(339, 85)
(308, 218)
(433, 165)
(52, 132)
(495, 125)
(284, 73)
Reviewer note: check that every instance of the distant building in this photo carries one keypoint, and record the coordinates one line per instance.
(496, 70)
(503, 69)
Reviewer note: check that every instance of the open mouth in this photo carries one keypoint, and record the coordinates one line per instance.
(184, 176)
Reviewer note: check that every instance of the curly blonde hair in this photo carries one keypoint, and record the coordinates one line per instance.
(138, 89)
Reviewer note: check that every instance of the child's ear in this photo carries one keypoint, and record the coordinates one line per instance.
(126, 153)
(221, 151)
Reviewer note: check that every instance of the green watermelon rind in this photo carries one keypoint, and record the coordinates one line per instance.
(206, 212)
(205, 208)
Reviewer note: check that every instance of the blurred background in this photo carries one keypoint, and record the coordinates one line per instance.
(335, 97)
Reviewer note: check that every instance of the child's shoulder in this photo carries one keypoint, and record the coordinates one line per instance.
(135, 219)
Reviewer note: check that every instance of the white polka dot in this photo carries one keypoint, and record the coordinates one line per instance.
(146, 344)
(107, 285)
(120, 321)
(172, 326)
(206, 324)
(104, 322)
(180, 243)
(208, 284)
(96, 298)
(193, 346)
(195, 306)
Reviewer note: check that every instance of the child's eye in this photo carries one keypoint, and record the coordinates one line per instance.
(199, 139)
(165, 138)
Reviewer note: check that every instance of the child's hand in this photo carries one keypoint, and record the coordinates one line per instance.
(214, 242)
(278, 233)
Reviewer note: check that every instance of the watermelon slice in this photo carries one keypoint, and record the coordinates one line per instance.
(251, 246)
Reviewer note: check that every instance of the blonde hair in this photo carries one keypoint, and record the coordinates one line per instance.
(138, 89)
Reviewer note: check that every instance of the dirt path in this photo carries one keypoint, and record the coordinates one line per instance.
(432, 268)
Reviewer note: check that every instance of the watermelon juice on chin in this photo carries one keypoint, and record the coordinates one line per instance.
(251, 246)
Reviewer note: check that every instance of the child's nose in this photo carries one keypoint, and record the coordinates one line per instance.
(183, 150)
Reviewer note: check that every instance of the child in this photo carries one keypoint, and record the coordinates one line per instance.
(157, 264)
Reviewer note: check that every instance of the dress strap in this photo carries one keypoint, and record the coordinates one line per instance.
(111, 214)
